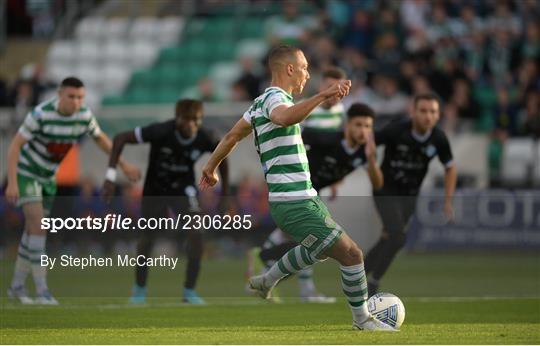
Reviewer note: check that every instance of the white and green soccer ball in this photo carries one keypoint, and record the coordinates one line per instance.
(387, 308)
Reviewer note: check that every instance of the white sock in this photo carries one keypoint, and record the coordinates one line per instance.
(305, 281)
(36, 247)
(22, 264)
(354, 284)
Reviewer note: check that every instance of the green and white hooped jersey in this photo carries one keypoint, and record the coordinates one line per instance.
(281, 149)
(50, 136)
(326, 119)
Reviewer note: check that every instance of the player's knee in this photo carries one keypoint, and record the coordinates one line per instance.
(354, 255)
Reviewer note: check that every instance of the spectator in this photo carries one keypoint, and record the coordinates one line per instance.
(531, 47)
(290, 27)
(249, 81)
(504, 18)
(439, 26)
(388, 100)
(414, 14)
(531, 115)
(506, 115)
(359, 33)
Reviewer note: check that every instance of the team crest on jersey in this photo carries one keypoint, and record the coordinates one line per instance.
(430, 150)
(309, 240)
(357, 162)
(329, 222)
(195, 154)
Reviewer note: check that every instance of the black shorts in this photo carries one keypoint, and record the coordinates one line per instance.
(394, 209)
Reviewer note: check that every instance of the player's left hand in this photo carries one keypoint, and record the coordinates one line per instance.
(209, 178)
(449, 212)
(370, 148)
(132, 172)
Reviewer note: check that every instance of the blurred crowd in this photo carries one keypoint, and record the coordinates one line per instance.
(481, 57)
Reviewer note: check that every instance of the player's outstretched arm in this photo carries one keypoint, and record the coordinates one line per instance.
(12, 189)
(115, 150)
(374, 171)
(287, 116)
(239, 131)
(450, 180)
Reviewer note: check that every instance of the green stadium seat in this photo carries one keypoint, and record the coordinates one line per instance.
(252, 28)
(169, 75)
(197, 50)
(139, 96)
(143, 78)
(169, 95)
(114, 100)
(224, 50)
(171, 54)
(194, 72)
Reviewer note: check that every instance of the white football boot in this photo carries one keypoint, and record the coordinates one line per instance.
(21, 294)
(45, 298)
(373, 324)
(258, 285)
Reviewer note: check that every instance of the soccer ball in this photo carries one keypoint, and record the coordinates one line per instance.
(387, 308)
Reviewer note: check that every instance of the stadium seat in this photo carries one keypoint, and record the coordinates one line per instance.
(114, 78)
(114, 100)
(145, 77)
(168, 30)
(61, 52)
(169, 75)
(195, 72)
(536, 169)
(139, 96)
(197, 50)
(167, 95)
(223, 50)
(224, 73)
(116, 51)
(91, 28)
(252, 28)
(93, 98)
(171, 54)
(517, 161)
(144, 28)
(88, 51)
(87, 73)
(252, 48)
(143, 53)
(115, 28)
(57, 70)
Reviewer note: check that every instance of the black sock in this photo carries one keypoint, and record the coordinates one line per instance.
(192, 272)
(144, 247)
(388, 252)
(373, 255)
(194, 252)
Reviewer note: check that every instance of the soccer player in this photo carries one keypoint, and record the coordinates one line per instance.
(331, 156)
(169, 185)
(295, 207)
(43, 140)
(328, 116)
(409, 148)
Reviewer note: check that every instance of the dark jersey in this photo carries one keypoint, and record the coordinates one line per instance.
(172, 158)
(329, 158)
(407, 156)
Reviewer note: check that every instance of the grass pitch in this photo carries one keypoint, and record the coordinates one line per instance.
(449, 298)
